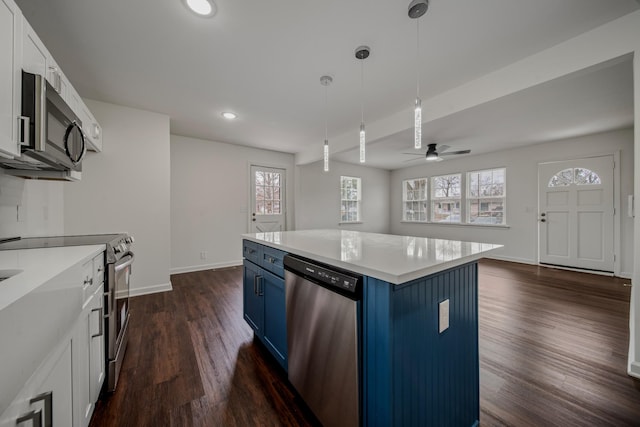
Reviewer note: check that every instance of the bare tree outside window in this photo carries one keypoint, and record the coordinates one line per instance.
(445, 198)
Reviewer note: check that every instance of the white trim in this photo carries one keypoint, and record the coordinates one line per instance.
(153, 289)
(634, 369)
(578, 270)
(193, 268)
(617, 217)
(512, 259)
(625, 275)
(350, 222)
(458, 224)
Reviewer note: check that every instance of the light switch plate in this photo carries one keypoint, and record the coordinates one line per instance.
(443, 309)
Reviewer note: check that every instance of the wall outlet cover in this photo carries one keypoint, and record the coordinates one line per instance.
(443, 310)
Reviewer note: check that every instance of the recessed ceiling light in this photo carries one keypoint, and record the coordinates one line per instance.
(229, 115)
(202, 7)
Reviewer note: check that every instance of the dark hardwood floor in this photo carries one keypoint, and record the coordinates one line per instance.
(553, 348)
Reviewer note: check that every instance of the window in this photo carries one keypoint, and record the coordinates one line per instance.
(414, 197)
(486, 196)
(445, 198)
(578, 176)
(350, 200)
(267, 193)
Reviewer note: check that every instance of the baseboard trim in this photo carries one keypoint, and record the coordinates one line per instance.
(634, 370)
(512, 259)
(153, 289)
(191, 269)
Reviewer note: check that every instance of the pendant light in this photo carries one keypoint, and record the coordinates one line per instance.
(417, 8)
(326, 81)
(362, 53)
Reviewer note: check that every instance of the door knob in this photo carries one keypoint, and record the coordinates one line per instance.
(543, 220)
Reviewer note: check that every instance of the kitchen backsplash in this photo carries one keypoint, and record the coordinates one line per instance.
(30, 207)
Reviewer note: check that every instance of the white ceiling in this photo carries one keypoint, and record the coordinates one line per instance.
(263, 60)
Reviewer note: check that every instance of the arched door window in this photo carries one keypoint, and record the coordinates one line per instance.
(578, 176)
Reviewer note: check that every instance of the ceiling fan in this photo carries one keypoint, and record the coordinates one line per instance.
(436, 152)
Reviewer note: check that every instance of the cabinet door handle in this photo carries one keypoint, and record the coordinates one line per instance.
(24, 131)
(260, 287)
(256, 284)
(100, 322)
(88, 281)
(34, 416)
(48, 407)
(108, 303)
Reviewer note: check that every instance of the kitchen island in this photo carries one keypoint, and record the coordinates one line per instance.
(418, 319)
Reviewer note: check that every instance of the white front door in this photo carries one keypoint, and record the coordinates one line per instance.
(575, 220)
(267, 199)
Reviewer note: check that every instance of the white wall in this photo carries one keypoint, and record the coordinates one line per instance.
(210, 200)
(318, 197)
(30, 208)
(520, 239)
(126, 188)
(634, 317)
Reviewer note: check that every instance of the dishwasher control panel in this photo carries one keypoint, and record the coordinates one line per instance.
(328, 276)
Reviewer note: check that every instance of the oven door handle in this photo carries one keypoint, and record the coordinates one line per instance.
(126, 263)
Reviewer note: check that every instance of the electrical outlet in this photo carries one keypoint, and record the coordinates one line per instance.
(203, 255)
(443, 309)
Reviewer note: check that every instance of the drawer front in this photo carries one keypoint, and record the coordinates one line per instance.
(272, 260)
(250, 251)
(92, 278)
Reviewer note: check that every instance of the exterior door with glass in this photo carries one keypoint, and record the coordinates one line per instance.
(267, 199)
(575, 221)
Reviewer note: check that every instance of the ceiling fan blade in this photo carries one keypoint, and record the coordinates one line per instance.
(453, 153)
(415, 154)
(442, 148)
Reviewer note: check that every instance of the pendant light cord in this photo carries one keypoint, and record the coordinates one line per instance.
(362, 89)
(326, 115)
(418, 58)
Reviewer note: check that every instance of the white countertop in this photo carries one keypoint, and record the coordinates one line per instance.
(395, 259)
(38, 266)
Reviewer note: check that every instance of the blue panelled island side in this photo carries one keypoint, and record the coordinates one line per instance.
(417, 318)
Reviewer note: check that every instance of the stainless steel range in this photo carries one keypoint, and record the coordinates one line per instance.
(118, 261)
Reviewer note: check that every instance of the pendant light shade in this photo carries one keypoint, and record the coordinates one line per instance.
(417, 8)
(362, 53)
(326, 81)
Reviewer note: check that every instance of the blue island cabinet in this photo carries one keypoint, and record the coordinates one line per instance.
(264, 297)
(413, 375)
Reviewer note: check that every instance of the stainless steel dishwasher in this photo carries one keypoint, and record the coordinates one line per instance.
(323, 330)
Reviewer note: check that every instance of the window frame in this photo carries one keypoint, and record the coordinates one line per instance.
(357, 201)
(479, 198)
(424, 201)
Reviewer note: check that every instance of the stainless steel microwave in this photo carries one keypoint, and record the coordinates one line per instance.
(51, 137)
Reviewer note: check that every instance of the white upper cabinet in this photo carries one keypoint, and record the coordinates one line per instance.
(91, 128)
(25, 51)
(10, 77)
(35, 56)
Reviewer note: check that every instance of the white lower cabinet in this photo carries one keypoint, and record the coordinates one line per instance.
(88, 355)
(88, 367)
(46, 399)
(65, 387)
